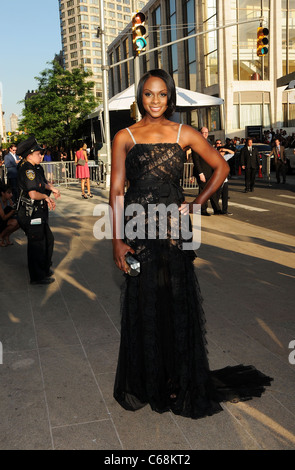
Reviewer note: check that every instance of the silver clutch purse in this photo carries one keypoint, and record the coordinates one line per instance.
(133, 265)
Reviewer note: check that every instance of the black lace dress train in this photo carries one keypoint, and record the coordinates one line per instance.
(163, 358)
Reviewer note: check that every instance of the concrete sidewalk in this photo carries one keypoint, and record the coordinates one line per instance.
(60, 342)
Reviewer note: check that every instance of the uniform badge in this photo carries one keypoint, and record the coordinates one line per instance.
(30, 175)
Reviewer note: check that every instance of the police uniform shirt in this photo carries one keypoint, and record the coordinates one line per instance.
(29, 179)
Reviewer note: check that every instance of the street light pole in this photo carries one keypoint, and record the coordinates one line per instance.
(105, 69)
(136, 67)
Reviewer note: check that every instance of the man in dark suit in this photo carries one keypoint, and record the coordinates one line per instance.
(280, 160)
(250, 161)
(203, 172)
(11, 161)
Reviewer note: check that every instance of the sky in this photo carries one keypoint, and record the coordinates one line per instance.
(30, 38)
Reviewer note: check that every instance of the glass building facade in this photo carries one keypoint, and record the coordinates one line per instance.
(220, 59)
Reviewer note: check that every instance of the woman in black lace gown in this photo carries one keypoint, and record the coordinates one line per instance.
(163, 358)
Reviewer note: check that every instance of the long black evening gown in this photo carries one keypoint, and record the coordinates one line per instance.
(163, 357)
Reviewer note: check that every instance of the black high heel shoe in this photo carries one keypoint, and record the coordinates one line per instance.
(84, 196)
(90, 195)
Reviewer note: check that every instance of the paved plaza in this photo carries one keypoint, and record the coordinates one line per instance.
(60, 342)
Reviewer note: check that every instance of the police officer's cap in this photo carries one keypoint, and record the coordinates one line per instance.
(28, 146)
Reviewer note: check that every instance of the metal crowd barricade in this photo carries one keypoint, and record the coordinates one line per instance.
(189, 181)
(64, 173)
(98, 172)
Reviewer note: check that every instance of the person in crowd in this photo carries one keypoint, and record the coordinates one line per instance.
(230, 145)
(11, 161)
(2, 167)
(227, 154)
(49, 173)
(82, 169)
(279, 154)
(33, 212)
(162, 359)
(203, 172)
(250, 161)
(8, 221)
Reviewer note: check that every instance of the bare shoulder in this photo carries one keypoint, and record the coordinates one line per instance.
(121, 136)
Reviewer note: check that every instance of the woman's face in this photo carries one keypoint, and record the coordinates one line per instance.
(155, 97)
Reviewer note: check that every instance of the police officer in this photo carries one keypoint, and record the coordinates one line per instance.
(33, 206)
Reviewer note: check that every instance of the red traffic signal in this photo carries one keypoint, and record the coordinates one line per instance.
(262, 41)
(138, 32)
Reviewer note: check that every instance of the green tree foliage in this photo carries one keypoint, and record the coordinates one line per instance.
(61, 103)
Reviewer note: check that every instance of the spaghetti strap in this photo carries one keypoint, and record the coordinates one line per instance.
(178, 135)
(134, 141)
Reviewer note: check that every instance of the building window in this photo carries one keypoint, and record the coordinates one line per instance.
(210, 43)
(126, 65)
(118, 69)
(251, 108)
(289, 114)
(172, 36)
(246, 64)
(190, 45)
(213, 119)
(158, 40)
(288, 36)
(251, 115)
(111, 74)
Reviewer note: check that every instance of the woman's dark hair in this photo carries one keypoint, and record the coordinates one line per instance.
(4, 188)
(171, 90)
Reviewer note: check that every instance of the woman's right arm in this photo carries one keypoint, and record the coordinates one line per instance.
(118, 176)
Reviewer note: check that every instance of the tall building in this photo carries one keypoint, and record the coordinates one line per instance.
(13, 122)
(222, 63)
(79, 22)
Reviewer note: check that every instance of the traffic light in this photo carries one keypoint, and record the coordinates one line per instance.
(138, 33)
(262, 41)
